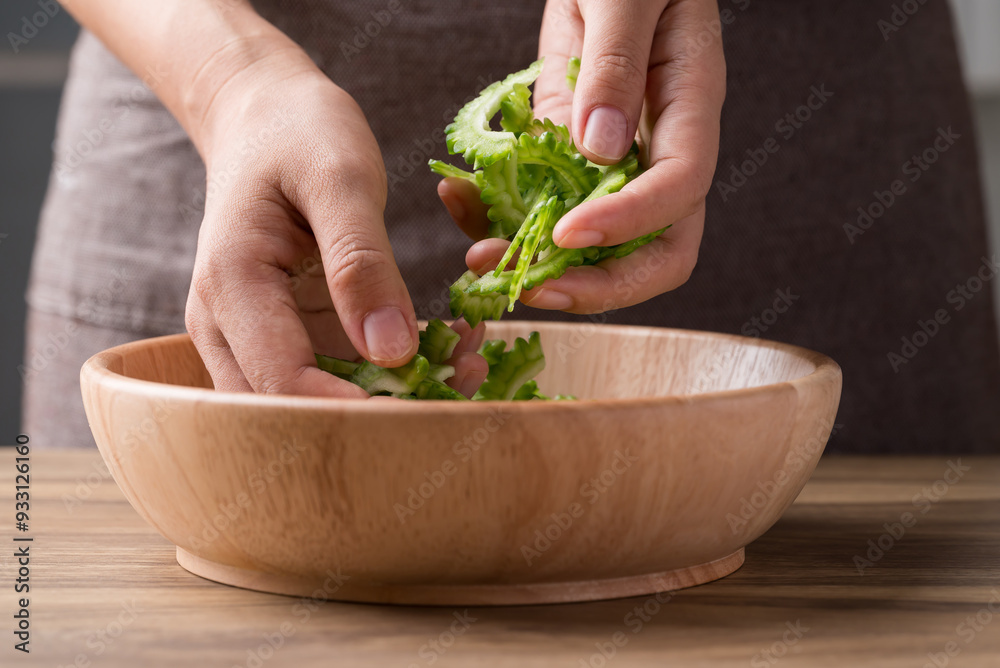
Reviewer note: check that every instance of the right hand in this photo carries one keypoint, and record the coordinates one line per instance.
(293, 256)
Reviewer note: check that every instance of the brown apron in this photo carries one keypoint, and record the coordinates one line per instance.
(846, 214)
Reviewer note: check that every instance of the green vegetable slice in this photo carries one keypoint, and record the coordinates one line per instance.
(561, 132)
(572, 72)
(512, 369)
(529, 391)
(437, 342)
(446, 170)
(500, 190)
(374, 379)
(571, 168)
(475, 307)
(471, 135)
(433, 389)
(515, 110)
(338, 367)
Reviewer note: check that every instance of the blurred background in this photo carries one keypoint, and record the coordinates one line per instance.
(32, 72)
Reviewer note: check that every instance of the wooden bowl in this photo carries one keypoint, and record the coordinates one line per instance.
(683, 448)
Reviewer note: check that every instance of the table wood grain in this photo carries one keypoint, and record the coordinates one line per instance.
(107, 591)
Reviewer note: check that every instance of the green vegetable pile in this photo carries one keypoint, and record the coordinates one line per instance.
(530, 174)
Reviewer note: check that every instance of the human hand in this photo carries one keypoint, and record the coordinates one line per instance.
(293, 256)
(655, 68)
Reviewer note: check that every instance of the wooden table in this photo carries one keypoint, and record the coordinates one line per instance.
(106, 590)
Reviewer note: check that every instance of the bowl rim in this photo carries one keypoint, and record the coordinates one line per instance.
(95, 371)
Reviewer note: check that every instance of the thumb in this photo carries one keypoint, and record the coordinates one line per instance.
(610, 89)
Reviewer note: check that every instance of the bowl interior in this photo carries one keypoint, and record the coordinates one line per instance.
(588, 361)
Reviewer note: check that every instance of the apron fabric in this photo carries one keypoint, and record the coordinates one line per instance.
(845, 215)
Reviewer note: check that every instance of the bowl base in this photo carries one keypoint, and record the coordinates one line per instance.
(334, 587)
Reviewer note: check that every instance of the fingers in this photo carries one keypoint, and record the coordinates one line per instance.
(612, 82)
(685, 92)
(670, 191)
(486, 255)
(470, 372)
(462, 200)
(471, 337)
(470, 367)
(243, 320)
(213, 348)
(560, 38)
(343, 201)
(660, 266)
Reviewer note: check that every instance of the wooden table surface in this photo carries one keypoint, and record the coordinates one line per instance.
(106, 590)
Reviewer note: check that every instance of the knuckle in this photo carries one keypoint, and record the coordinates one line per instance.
(201, 328)
(204, 284)
(357, 173)
(692, 185)
(268, 380)
(699, 187)
(356, 262)
(686, 263)
(193, 323)
(619, 69)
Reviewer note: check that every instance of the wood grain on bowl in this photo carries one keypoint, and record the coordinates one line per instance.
(684, 447)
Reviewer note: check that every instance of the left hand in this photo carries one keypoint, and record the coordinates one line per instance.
(652, 68)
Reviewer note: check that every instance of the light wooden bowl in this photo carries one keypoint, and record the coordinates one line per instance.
(683, 448)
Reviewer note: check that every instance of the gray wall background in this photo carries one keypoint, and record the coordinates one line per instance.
(30, 84)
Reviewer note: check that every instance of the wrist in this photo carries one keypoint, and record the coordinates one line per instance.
(226, 84)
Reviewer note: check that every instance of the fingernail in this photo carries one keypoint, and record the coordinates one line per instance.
(581, 239)
(455, 208)
(386, 334)
(485, 268)
(606, 134)
(550, 299)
